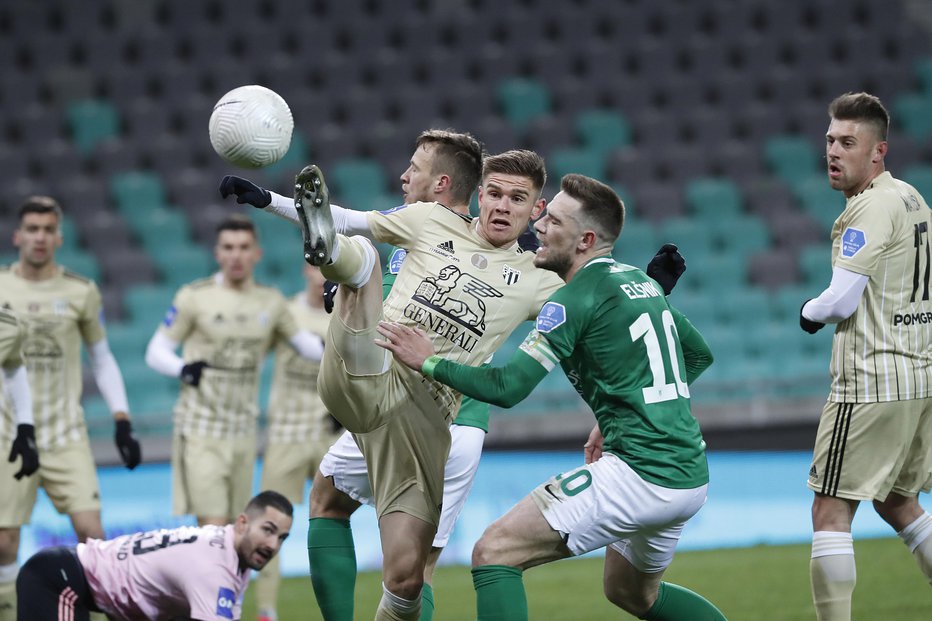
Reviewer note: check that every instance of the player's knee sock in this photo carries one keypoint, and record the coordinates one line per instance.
(427, 603)
(267, 584)
(332, 559)
(675, 603)
(8, 591)
(499, 593)
(833, 574)
(917, 538)
(394, 608)
(353, 263)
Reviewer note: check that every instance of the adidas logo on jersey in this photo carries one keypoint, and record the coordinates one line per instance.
(446, 246)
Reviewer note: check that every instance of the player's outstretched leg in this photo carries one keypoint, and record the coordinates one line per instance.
(312, 200)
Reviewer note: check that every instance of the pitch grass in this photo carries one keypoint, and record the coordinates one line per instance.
(763, 583)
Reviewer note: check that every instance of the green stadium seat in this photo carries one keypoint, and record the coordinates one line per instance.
(80, 262)
(791, 157)
(572, 160)
(136, 191)
(603, 130)
(357, 182)
(701, 309)
(128, 340)
(636, 244)
(92, 121)
(186, 263)
(742, 235)
(744, 308)
(69, 233)
(695, 237)
(815, 265)
(819, 200)
(719, 198)
(146, 305)
(159, 226)
(626, 197)
(913, 112)
(786, 301)
(920, 177)
(923, 70)
(522, 100)
(718, 274)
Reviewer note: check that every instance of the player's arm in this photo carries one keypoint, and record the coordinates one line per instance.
(836, 303)
(502, 386)
(697, 356)
(161, 351)
(16, 382)
(308, 345)
(345, 221)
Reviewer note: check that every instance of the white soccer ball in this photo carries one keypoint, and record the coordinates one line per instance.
(251, 127)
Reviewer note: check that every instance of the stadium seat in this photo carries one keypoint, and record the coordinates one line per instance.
(522, 100)
(146, 305)
(159, 226)
(356, 182)
(815, 265)
(80, 262)
(603, 130)
(695, 237)
(297, 157)
(135, 190)
(719, 198)
(92, 121)
(186, 263)
(742, 235)
(791, 157)
(819, 200)
(575, 160)
(911, 112)
(923, 71)
(637, 243)
(920, 177)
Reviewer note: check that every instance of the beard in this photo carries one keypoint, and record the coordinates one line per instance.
(554, 262)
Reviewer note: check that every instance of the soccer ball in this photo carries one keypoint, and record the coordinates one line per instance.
(251, 127)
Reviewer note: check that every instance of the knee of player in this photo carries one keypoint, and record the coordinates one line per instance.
(486, 552)
(629, 599)
(407, 586)
(326, 501)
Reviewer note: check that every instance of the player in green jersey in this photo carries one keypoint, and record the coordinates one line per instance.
(631, 357)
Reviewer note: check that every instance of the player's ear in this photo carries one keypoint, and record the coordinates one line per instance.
(443, 184)
(538, 208)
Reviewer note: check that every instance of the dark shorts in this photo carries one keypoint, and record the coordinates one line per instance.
(51, 587)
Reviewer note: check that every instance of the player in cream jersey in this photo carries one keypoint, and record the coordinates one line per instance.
(876, 427)
(300, 429)
(61, 311)
(227, 325)
(16, 385)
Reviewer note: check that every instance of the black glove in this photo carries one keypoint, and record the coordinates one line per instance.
(330, 290)
(191, 372)
(808, 325)
(246, 191)
(666, 267)
(24, 445)
(127, 445)
(528, 241)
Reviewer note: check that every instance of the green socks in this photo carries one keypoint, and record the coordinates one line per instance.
(674, 603)
(499, 593)
(332, 558)
(427, 603)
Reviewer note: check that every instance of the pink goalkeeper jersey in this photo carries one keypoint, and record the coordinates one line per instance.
(161, 574)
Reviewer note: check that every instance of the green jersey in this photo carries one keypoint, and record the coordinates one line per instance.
(472, 413)
(627, 353)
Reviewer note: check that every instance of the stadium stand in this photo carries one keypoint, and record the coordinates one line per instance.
(706, 116)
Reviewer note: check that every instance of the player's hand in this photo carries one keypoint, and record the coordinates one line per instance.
(593, 446)
(24, 445)
(330, 291)
(191, 373)
(246, 191)
(666, 267)
(808, 325)
(127, 444)
(409, 345)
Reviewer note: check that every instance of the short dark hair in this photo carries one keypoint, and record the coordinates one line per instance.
(237, 222)
(40, 204)
(269, 498)
(457, 154)
(520, 162)
(861, 107)
(600, 204)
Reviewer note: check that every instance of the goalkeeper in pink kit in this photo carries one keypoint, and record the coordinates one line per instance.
(196, 573)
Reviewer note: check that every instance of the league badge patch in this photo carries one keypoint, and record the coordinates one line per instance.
(170, 316)
(226, 598)
(395, 261)
(852, 241)
(551, 316)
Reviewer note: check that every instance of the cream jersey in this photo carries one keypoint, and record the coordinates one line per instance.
(232, 330)
(12, 335)
(59, 313)
(296, 412)
(465, 293)
(882, 352)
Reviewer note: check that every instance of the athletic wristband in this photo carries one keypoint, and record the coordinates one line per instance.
(430, 364)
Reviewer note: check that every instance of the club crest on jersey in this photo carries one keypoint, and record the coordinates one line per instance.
(551, 316)
(170, 316)
(59, 307)
(510, 274)
(852, 241)
(226, 598)
(395, 261)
